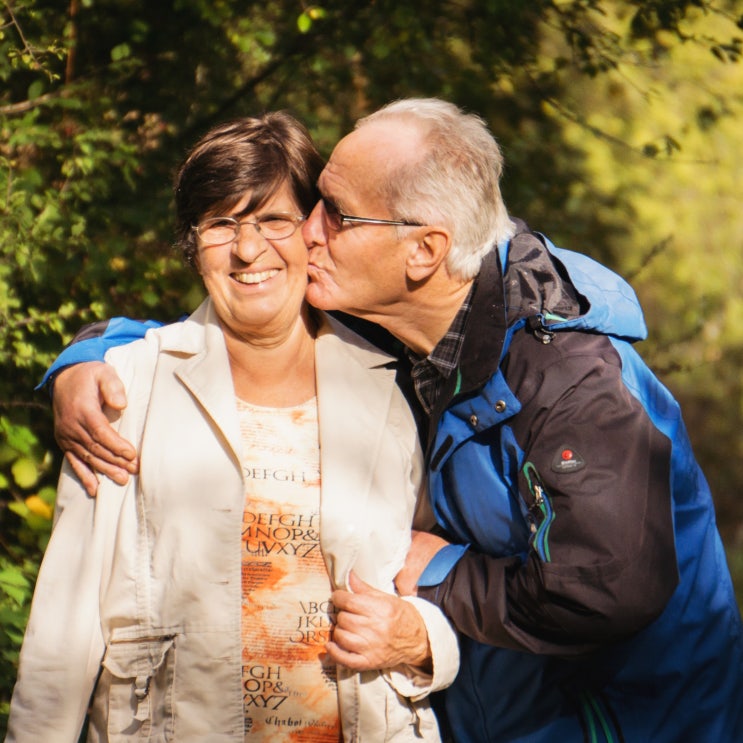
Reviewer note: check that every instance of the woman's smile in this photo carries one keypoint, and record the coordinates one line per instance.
(254, 277)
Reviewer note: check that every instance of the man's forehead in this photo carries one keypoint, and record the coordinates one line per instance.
(342, 158)
(361, 159)
(340, 176)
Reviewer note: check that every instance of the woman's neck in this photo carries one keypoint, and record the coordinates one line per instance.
(276, 371)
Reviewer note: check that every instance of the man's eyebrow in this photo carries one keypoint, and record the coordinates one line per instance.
(334, 201)
(330, 200)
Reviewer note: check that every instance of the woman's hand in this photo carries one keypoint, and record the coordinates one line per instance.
(81, 428)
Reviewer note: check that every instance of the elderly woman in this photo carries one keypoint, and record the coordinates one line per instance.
(276, 456)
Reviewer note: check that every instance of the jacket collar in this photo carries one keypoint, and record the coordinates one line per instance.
(205, 369)
(484, 336)
(486, 327)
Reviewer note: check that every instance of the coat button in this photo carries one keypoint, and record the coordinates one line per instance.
(473, 420)
(500, 406)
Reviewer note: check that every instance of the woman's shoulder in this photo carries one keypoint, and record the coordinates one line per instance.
(336, 333)
(185, 335)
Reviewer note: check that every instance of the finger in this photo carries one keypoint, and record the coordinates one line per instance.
(357, 623)
(86, 476)
(95, 454)
(341, 599)
(80, 394)
(350, 640)
(358, 586)
(97, 443)
(344, 658)
(360, 597)
(372, 607)
(117, 473)
(106, 444)
(111, 388)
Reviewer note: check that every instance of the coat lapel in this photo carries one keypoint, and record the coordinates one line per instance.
(206, 373)
(355, 383)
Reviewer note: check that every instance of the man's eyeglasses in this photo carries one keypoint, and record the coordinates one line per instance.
(223, 230)
(336, 219)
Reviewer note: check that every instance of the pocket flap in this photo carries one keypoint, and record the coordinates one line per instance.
(137, 658)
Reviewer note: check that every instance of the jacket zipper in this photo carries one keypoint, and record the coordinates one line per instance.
(539, 514)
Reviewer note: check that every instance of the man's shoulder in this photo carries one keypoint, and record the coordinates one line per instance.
(535, 370)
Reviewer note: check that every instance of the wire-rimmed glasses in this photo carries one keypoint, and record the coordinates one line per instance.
(223, 230)
(336, 219)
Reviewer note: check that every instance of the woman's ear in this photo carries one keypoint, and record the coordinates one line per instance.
(427, 253)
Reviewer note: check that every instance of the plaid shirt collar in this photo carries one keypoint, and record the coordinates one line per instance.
(429, 373)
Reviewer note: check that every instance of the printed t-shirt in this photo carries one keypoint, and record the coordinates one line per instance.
(289, 694)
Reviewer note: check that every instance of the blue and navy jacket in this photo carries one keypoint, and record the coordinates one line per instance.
(586, 574)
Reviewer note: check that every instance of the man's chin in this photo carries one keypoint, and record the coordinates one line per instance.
(320, 298)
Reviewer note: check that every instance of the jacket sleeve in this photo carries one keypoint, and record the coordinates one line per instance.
(595, 483)
(92, 341)
(63, 644)
(415, 683)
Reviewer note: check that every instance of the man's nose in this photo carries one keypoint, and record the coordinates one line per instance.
(313, 228)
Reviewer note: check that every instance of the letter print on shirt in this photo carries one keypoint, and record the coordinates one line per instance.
(288, 693)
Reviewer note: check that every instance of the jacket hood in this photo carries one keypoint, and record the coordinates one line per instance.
(568, 290)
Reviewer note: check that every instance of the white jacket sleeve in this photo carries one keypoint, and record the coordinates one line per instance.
(412, 682)
(63, 645)
(442, 637)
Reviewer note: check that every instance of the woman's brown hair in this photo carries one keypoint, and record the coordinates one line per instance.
(255, 154)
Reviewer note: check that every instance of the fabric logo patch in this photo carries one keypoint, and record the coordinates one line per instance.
(567, 459)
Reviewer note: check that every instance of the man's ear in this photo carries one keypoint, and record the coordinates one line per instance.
(427, 253)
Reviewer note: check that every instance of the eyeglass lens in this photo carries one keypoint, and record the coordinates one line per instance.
(222, 230)
(333, 215)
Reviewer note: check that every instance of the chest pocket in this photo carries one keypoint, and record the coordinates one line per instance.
(134, 695)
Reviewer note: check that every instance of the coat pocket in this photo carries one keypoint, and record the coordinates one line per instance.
(133, 700)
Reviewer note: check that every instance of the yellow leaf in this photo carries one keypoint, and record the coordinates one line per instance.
(39, 507)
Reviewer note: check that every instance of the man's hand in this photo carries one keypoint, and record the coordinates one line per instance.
(422, 549)
(82, 429)
(376, 630)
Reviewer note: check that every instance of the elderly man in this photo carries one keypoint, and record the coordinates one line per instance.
(577, 553)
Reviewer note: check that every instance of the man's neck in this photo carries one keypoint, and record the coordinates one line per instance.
(422, 320)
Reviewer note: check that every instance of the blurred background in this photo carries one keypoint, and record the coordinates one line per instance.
(620, 122)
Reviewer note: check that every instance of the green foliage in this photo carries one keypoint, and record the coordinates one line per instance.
(26, 512)
(620, 122)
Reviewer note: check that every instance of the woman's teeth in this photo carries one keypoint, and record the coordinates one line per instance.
(255, 278)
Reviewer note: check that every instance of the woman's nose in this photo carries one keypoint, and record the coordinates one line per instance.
(249, 244)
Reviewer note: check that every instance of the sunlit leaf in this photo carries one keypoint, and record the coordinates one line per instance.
(304, 22)
(39, 507)
(25, 472)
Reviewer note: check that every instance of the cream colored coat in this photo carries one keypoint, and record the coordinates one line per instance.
(144, 582)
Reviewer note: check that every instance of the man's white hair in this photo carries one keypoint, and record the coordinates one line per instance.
(453, 180)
